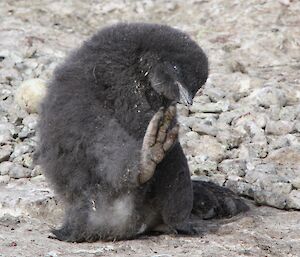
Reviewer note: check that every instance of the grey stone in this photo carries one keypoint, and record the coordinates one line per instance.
(289, 113)
(230, 138)
(218, 107)
(37, 171)
(253, 150)
(25, 160)
(204, 129)
(296, 182)
(31, 121)
(268, 96)
(4, 126)
(30, 93)
(5, 151)
(21, 149)
(207, 146)
(5, 136)
(280, 127)
(18, 171)
(280, 188)
(271, 198)
(285, 156)
(25, 132)
(241, 188)
(276, 142)
(201, 167)
(4, 179)
(233, 167)
(294, 200)
(214, 94)
(5, 167)
(182, 110)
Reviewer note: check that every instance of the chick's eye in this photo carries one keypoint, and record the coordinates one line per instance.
(175, 68)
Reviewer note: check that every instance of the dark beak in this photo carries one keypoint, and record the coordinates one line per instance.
(184, 96)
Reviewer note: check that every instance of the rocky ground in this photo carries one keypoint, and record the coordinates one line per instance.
(243, 130)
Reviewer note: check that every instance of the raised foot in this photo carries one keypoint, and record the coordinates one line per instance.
(159, 138)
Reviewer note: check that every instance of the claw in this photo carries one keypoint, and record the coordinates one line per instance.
(158, 139)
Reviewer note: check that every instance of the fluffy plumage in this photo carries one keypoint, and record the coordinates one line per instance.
(93, 120)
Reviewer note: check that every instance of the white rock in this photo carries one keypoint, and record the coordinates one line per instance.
(268, 96)
(30, 94)
(5, 151)
(235, 167)
(221, 106)
(294, 199)
(280, 127)
(5, 167)
(206, 146)
(5, 136)
(204, 129)
(18, 171)
(296, 182)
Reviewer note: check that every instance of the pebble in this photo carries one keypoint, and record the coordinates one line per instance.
(296, 182)
(235, 167)
(18, 171)
(30, 93)
(203, 129)
(21, 149)
(281, 127)
(5, 167)
(4, 179)
(294, 200)
(206, 146)
(218, 107)
(267, 96)
(5, 152)
(5, 136)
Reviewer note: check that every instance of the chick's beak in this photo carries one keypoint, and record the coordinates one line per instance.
(184, 96)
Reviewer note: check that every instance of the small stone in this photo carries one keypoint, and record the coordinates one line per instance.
(4, 179)
(289, 113)
(5, 136)
(214, 94)
(280, 127)
(253, 150)
(285, 156)
(37, 171)
(5, 152)
(268, 96)
(279, 187)
(233, 167)
(182, 110)
(204, 129)
(221, 106)
(5, 167)
(18, 171)
(206, 146)
(270, 198)
(241, 188)
(296, 182)
(30, 93)
(25, 132)
(236, 66)
(204, 167)
(294, 200)
(25, 160)
(218, 179)
(278, 142)
(21, 149)
(31, 121)
(230, 137)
